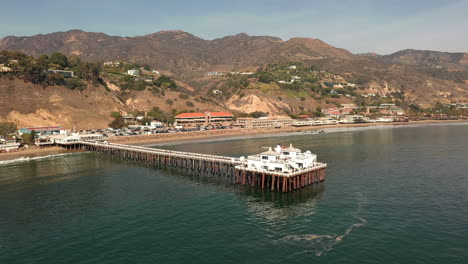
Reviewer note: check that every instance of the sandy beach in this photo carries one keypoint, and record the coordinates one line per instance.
(182, 137)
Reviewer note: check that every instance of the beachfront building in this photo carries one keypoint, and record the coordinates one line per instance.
(351, 119)
(270, 121)
(64, 139)
(203, 119)
(50, 130)
(8, 144)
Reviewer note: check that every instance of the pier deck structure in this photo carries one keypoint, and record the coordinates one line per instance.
(230, 167)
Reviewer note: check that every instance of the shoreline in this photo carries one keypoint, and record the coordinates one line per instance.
(33, 153)
(218, 135)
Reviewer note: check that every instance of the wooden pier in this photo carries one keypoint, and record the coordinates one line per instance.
(217, 165)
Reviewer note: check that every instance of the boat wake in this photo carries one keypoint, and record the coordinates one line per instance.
(322, 244)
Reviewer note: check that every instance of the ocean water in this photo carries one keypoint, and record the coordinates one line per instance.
(392, 195)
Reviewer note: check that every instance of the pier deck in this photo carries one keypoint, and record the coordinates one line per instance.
(218, 165)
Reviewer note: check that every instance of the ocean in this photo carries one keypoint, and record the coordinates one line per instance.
(392, 195)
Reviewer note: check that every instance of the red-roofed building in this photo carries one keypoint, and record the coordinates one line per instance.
(203, 119)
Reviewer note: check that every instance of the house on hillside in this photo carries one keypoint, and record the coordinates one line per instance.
(64, 74)
(112, 63)
(133, 72)
(4, 68)
(215, 73)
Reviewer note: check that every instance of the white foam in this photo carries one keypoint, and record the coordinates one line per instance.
(28, 159)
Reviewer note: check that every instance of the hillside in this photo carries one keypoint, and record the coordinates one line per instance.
(409, 77)
(427, 58)
(175, 51)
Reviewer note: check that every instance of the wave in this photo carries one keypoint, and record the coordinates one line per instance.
(28, 159)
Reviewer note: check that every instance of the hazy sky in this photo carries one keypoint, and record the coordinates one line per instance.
(357, 25)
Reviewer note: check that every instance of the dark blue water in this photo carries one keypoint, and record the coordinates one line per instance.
(391, 196)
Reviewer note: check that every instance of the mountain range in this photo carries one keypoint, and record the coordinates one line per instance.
(425, 77)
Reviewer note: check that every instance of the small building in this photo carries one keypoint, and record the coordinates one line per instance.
(8, 144)
(112, 63)
(215, 73)
(128, 118)
(64, 74)
(133, 72)
(156, 124)
(5, 69)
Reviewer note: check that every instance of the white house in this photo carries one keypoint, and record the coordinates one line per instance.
(8, 144)
(133, 72)
(156, 124)
(64, 139)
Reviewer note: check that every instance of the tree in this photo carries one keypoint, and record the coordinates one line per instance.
(73, 84)
(165, 81)
(59, 59)
(7, 128)
(140, 85)
(33, 135)
(27, 139)
(117, 123)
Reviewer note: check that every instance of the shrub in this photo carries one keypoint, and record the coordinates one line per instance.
(116, 114)
(169, 102)
(74, 83)
(189, 104)
(183, 96)
(117, 123)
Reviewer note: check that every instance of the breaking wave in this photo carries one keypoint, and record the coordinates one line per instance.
(27, 159)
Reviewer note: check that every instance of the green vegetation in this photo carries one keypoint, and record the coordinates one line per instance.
(160, 115)
(28, 138)
(165, 82)
(35, 70)
(7, 129)
(116, 114)
(117, 123)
